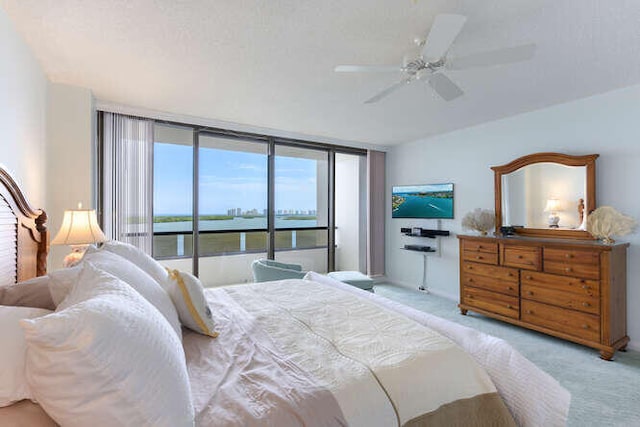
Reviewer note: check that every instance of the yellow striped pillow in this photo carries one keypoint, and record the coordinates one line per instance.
(187, 293)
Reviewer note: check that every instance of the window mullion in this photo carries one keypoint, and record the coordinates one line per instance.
(271, 218)
(196, 202)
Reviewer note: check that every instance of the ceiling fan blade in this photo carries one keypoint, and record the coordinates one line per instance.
(493, 57)
(444, 31)
(387, 91)
(444, 87)
(367, 68)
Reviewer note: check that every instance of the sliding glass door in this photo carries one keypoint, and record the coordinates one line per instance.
(302, 206)
(232, 207)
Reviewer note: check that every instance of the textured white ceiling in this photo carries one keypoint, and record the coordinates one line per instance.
(270, 63)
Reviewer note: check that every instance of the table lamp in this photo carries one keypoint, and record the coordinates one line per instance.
(79, 229)
(553, 206)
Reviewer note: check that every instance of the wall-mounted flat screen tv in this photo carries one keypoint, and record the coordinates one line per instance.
(422, 201)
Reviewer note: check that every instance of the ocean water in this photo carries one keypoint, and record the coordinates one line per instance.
(424, 207)
(234, 224)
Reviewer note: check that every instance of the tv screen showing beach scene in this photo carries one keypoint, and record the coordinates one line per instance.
(422, 201)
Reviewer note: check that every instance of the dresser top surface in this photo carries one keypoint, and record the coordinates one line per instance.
(515, 240)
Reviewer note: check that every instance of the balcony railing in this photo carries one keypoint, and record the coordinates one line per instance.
(179, 244)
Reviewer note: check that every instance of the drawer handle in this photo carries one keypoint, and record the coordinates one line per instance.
(529, 277)
(478, 257)
(519, 257)
(585, 326)
(586, 287)
(510, 288)
(568, 269)
(529, 311)
(509, 306)
(479, 247)
(470, 296)
(586, 304)
(510, 274)
(529, 293)
(470, 280)
(568, 256)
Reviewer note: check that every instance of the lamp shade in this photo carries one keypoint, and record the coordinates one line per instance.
(553, 205)
(79, 227)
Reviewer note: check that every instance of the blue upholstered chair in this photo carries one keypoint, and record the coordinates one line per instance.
(266, 270)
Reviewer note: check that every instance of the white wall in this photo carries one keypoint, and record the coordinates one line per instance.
(23, 105)
(605, 124)
(70, 158)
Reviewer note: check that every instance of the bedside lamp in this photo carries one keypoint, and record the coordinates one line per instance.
(79, 229)
(553, 206)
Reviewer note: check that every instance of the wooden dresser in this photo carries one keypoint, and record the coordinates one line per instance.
(571, 289)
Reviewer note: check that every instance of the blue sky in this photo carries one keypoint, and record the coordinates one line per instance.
(229, 179)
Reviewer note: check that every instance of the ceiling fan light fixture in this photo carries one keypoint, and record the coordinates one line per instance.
(423, 74)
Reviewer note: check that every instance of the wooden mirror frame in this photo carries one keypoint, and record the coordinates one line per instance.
(564, 159)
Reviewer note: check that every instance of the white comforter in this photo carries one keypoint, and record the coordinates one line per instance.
(533, 397)
(381, 368)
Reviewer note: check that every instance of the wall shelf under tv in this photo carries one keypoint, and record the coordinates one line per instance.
(425, 250)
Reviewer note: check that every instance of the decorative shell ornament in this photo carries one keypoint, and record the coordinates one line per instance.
(605, 222)
(480, 220)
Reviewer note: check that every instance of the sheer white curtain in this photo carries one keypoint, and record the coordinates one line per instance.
(127, 167)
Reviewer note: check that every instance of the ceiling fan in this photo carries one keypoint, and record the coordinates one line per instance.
(432, 60)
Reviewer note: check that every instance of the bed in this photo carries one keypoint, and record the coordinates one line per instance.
(294, 352)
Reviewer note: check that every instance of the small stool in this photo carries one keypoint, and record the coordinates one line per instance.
(353, 278)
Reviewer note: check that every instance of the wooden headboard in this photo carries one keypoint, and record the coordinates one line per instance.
(24, 239)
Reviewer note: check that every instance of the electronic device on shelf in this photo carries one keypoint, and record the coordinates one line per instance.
(421, 248)
(423, 232)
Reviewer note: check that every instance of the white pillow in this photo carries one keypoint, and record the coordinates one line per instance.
(107, 358)
(187, 293)
(13, 384)
(152, 267)
(63, 280)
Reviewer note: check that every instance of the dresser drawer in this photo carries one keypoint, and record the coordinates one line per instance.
(586, 303)
(524, 257)
(574, 323)
(491, 301)
(479, 246)
(500, 273)
(491, 284)
(572, 256)
(575, 262)
(577, 286)
(588, 271)
(483, 257)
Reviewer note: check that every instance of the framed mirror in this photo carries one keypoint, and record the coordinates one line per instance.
(546, 194)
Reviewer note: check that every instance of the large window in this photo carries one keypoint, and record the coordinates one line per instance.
(222, 200)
